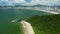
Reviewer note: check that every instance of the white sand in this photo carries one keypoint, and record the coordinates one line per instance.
(27, 27)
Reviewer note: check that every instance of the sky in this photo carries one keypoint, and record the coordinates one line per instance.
(30, 2)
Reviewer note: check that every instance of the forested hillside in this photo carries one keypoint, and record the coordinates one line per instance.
(47, 24)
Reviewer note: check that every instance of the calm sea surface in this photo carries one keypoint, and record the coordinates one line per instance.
(7, 15)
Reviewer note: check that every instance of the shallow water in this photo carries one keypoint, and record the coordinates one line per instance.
(7, 15)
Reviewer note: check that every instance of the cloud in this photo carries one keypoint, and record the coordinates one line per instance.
(43, 2)
(10, 2)
(49, 2)
(32, 2)
(46, 2)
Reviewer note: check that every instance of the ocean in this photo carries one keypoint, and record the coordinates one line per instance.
(7, 15)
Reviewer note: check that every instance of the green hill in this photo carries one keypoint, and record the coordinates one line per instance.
(47, 24)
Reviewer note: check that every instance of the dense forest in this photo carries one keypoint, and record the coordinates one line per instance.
(47, 24)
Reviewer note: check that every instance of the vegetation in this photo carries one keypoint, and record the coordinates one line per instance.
(47, 24)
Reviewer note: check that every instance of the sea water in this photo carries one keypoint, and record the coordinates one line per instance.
(7, 17)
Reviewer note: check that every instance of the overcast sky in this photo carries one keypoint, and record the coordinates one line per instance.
(30, 2)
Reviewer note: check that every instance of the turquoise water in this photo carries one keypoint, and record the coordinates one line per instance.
(7, 15)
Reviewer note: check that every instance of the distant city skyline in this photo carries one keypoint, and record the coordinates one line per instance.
(30, 2)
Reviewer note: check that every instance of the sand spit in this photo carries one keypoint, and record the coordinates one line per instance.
(27, 28)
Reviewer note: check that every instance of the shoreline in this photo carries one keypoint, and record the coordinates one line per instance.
(38, 9)
(27, 28)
